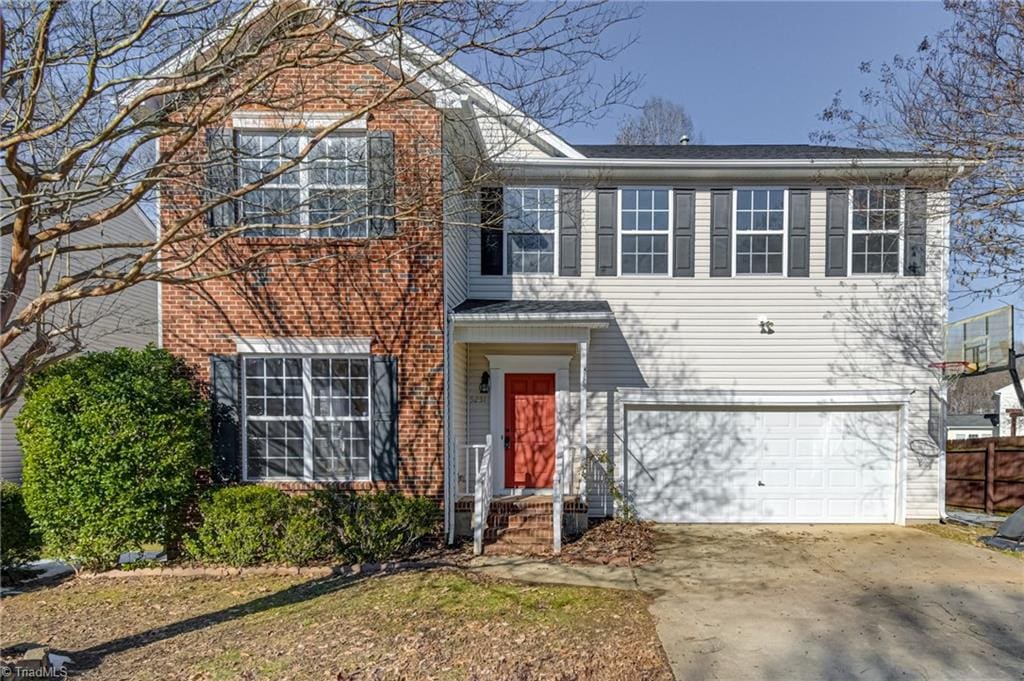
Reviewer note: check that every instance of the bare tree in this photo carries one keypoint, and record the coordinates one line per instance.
(961, 96)
(103, 104)
(658, 121)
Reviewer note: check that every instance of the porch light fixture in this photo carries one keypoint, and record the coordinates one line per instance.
(485, 383)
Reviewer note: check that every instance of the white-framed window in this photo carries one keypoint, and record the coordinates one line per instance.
(759, 231)
(876, 228)
(325, 195)
(645, 219)
(530, 223)
(306, 417)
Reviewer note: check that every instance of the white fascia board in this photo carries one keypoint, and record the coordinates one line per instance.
(809, 164)
(305, 119)
(559, 319)
(304, 346)
(886, 397)
(459, 80)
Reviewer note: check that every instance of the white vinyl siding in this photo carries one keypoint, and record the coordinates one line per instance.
(699, 332)
(125, 319)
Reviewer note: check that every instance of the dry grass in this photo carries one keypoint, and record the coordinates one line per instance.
(436, 625)
(967, 535)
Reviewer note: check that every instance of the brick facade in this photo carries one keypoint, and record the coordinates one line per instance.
(388, 289)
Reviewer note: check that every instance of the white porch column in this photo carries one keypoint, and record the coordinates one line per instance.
(583, 421)
(561, 442)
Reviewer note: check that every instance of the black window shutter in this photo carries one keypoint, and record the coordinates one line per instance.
(916, 233)
(683, 233)
(384, 435)
(569, 232)
(225, 384)
(836, 232)
(221, 178)
(492, 235)
(721, 232)
(381, 183)
(799, 232)
(607, 207)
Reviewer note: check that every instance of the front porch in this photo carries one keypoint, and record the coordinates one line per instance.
(522, 523)
(519, 449)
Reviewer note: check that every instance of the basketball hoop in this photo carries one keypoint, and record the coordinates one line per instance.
(953, 371)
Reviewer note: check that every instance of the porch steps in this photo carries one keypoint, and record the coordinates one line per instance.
(524, 525)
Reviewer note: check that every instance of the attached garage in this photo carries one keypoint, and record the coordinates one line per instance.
(763, 463)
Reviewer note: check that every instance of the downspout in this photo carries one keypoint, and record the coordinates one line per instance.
(961, 169)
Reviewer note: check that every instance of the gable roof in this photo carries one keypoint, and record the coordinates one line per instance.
(735, 152)
(438, 73)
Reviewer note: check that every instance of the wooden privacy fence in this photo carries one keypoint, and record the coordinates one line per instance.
(985, 473)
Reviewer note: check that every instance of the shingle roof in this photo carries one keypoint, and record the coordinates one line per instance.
(516, 308)
(972, 420)
(734, 152)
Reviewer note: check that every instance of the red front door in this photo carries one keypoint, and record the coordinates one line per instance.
(529, 430)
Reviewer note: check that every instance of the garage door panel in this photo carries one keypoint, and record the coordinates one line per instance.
(779, 465)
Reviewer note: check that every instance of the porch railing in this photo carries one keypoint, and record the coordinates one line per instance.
(483, 492)
(470, 456)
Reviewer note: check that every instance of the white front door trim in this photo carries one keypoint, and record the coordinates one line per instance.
(499, 365)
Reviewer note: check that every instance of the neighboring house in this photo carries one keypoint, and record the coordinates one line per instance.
(1011, 417)
(732, 333)
(971, 426)
(127, 319)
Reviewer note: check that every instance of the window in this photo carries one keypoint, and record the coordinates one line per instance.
(530, 221)
(307, 418)
(644, 219)
(326, 191)
(875, 221)
(760, 232)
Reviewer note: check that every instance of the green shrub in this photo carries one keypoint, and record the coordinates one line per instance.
(241, 525)
(308, 535)
(112, 442)
(379, 526)
(20, 542)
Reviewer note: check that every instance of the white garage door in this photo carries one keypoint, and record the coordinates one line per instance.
(779, 465)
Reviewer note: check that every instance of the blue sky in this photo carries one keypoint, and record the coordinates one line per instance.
(761, 72)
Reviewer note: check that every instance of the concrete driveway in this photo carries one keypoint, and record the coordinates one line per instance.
(834, 602)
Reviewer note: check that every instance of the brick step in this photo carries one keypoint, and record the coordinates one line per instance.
(501, 549)
(518, 535)
(531, 521)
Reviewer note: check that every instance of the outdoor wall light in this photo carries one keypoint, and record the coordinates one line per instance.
(767, 325)
(485, 383)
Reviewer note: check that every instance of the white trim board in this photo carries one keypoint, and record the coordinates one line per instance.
(335, 345)
(498, 366)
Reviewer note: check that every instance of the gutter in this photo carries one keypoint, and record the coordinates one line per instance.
(599, 163)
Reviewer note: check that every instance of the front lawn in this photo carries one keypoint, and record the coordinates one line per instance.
(438, 624)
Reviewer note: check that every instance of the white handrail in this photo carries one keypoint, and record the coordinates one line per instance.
(482, 494)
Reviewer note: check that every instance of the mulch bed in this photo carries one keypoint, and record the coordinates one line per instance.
(612, 542)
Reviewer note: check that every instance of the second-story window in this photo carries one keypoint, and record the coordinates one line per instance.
(531, 221)
(760, 231)
(875, 231)
(644, 219)
(323, 195)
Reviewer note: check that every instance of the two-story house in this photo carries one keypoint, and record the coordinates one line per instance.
(705, 333)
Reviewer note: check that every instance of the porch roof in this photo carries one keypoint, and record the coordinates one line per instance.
(587, 312)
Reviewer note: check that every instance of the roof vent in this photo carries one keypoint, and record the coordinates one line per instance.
(684, 140)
